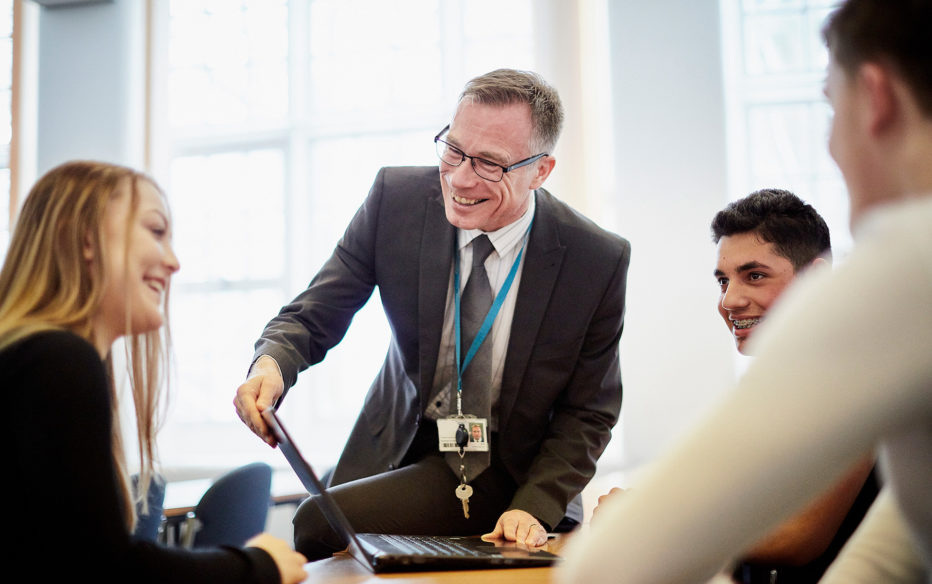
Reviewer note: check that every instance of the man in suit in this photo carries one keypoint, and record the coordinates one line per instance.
(552, 386)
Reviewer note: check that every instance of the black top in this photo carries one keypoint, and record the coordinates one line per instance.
(752, 573)
(63, 509)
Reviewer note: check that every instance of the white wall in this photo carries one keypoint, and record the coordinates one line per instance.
(670, 179)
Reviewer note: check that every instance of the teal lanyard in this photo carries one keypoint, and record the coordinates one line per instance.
(489, 317)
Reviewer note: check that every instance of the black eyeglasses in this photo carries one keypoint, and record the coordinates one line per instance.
(491, 171)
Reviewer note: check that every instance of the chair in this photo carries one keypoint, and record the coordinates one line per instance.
(147, 525)
(232, 510)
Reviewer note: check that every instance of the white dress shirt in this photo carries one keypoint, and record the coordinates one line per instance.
(508, 243)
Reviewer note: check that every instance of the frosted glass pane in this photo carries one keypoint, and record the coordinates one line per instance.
(341, 172)
(492, 43)
(780, 117)
(6, 17)
(758, 5)
(4, 198)
(229, 62)
(213, 336)
(821, 122)
(775, 43)
(771, 5)
(6, 122)
(497, 19)
(6, 58)
(229, 219)
(6, 127)
(6, 84)
(370, 57)
(781, 145)
(817, 51)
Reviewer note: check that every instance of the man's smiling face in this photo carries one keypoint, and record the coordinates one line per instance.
(500, 134)
(751, 276)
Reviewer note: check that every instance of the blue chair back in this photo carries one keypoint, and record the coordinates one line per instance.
(235, 507)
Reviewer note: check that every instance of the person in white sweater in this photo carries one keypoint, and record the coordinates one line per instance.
(765, 241)
(860, 339)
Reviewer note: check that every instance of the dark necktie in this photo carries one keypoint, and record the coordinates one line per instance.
(477, 378)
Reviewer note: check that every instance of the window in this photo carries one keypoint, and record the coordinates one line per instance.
(6, 120)
(280, 114)
(777, 117)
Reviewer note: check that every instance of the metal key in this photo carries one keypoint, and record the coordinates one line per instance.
(463, 493)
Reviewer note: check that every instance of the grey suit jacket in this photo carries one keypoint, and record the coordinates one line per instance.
(561, 384)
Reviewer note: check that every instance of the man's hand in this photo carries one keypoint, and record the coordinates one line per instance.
(611, 495)
(259, 392)
(519, 526)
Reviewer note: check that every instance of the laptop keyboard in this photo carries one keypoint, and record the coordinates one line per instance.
(427, 546)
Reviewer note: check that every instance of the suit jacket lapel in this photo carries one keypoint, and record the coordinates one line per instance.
(437, 243)
(544, 256)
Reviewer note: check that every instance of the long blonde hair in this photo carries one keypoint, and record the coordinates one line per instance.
(46, 283)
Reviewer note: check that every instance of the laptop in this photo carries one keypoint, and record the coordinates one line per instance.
(406, 553)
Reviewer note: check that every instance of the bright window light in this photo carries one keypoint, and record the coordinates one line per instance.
(280, 113)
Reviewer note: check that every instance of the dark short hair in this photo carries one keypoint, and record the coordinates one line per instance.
(794, 228)
(507, 86)
(898, 32)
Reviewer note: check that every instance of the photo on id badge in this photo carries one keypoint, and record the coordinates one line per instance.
(470, 434)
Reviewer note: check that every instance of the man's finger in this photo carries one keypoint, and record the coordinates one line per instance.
(266, 400)
(495, 533)
(536, 535)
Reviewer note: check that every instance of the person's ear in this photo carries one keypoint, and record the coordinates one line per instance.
(880, 95)
(543, 168)
(820, 262)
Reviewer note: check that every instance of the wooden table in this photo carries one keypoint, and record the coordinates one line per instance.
(344, 569)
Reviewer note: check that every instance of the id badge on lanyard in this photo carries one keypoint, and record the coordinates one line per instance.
(467, 432)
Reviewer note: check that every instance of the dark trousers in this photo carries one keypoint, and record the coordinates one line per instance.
(416, 499)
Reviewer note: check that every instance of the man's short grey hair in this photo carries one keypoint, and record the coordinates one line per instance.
(509, 86)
